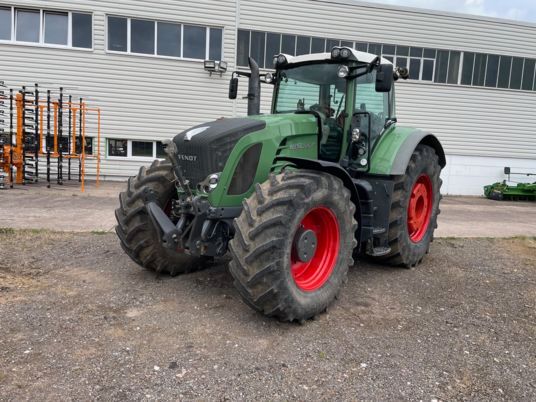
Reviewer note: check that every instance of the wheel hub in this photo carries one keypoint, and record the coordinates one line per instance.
(315, 248)
(305, 244)
(420, 208)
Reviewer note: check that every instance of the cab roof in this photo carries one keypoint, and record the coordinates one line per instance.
(363, 57)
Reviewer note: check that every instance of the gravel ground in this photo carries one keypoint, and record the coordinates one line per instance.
(80, 321)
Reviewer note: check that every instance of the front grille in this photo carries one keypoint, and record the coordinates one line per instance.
(208, 146)
(211, 158)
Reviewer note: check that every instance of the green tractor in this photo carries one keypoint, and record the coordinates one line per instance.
(292, 196)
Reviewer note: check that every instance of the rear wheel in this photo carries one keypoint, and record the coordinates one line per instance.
(293, 244)
(135, 229)
(414, 209)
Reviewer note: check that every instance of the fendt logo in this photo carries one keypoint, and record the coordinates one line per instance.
(189, 158)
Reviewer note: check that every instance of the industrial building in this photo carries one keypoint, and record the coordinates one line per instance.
(472, 79)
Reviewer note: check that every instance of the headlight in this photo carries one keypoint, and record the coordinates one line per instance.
(209, 184)
(269, 78)
(281, 59)
(343, 71)
(335, 52)
(345, 53)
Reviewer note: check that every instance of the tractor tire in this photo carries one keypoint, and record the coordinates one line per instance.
(414, 209)
(293, 244)
(136, 232)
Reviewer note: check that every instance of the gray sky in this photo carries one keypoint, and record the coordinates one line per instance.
(521, 10)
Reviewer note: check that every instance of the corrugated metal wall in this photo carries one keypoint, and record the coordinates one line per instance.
(146, 97)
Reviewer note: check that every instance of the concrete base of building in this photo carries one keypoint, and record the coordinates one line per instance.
(467, 175)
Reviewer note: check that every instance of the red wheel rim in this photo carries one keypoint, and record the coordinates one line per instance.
(420, 208)
(312, 275)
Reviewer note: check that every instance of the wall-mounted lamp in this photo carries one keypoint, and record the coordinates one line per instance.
(215, 66)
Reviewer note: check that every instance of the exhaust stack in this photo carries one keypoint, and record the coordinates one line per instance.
(254, 89)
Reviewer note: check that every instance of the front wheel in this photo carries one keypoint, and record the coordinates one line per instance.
(414, 209)
(293, 244)
(136, 233)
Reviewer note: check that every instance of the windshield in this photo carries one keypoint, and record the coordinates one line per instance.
(311, 87)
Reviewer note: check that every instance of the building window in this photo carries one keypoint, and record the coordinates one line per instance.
(331, 43)
(215, 44)
(195, 42)
(257, 47)
(82, 30)
(142, 148)
(415, 62)
(389, 51)
(134, 149)
(318, 45)
(467, 68)
(528, 75)
(142, 36)
(402, 53)
(28, 26)
(288, 44)
(56, 28)
(505, 66)
(492, 71)
(88, 148)
(5, 23)
(117, 34)
(516, 73)
(435, 65)
(442, 65)
(273, 47)
(479, 69)
(160, 151)
(362, 47)
(167, 39)
(117, 148)
(303, 45)
(454, 67)
(46, 27)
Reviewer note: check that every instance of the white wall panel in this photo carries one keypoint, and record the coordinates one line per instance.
(470, 120)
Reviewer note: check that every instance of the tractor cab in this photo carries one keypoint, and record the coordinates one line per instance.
(350, 92)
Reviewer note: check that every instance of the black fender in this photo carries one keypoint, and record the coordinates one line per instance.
(405, 151)
(328, 167)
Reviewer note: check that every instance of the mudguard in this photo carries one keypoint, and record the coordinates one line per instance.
(392, 153)
(329, 167)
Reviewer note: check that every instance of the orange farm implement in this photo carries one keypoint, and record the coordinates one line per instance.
(44, 135)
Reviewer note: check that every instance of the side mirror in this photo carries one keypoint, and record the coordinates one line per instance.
(384, 78)
(233, 88)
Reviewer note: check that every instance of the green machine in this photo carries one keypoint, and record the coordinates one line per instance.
(501, 191)
(295, 195)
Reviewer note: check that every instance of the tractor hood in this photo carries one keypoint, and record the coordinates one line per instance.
(204, 149)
